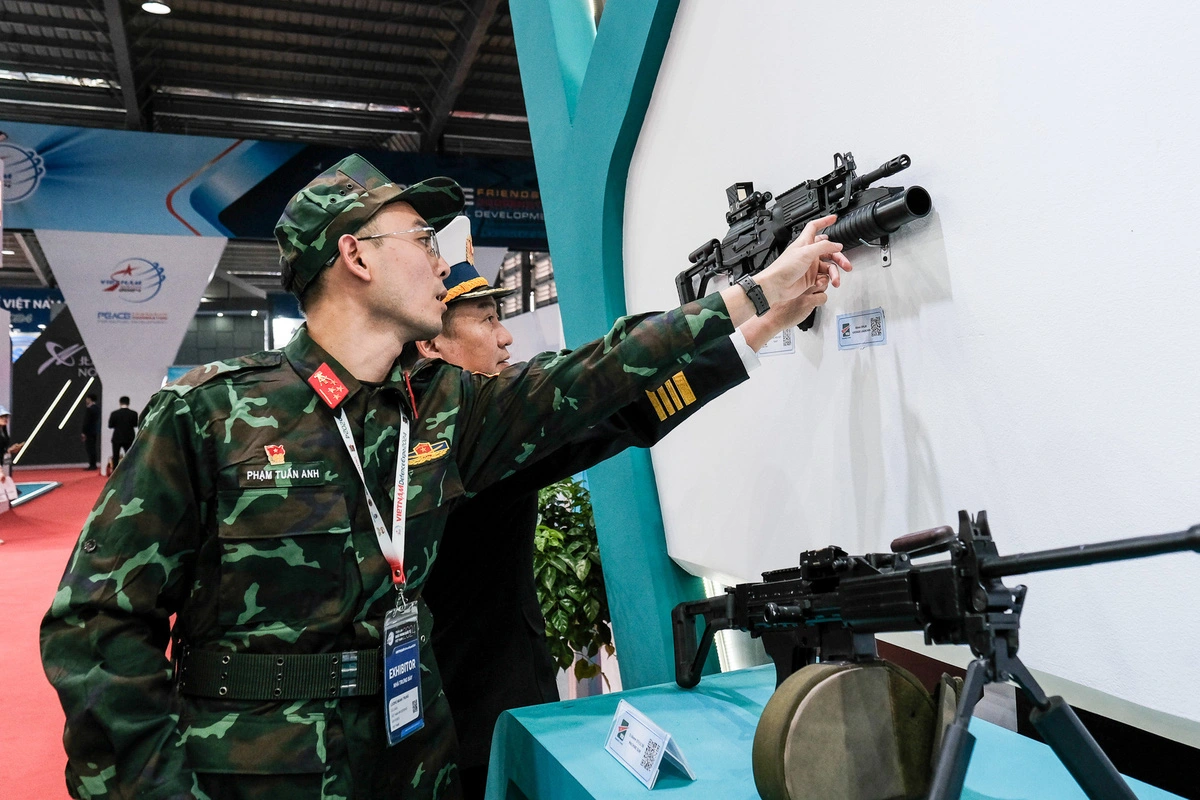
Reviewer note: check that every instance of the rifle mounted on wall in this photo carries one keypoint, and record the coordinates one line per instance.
(760, 230)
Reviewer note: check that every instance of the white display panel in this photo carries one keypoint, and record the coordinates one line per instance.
(1040, 358)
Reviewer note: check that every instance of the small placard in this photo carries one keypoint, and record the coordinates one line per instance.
(780, 343)
(862, 329)
(642, 746)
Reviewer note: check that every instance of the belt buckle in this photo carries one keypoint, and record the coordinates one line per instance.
(348, 686)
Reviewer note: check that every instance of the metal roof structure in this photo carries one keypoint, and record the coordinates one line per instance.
(435, 76)
(411, 75)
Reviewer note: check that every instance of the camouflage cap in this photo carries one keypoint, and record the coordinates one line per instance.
(339, 201)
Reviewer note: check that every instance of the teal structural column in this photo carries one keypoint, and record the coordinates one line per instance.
(586, 94)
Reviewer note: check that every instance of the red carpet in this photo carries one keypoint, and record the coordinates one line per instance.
(38, 538)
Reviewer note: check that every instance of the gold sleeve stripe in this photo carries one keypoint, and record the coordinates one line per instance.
(666, 401)
(685, 390)
(658, 409)
(670, 387)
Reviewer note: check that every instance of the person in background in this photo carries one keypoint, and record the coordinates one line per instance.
(8, 448)
(123, 423)
(89, 432)
(483, 594)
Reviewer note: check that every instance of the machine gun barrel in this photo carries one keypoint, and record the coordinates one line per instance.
(1086, 554)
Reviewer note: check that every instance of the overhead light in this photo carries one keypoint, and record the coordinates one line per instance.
(41, 327)
(156, 7)
(220, 313)
(8, 252)
(254, 312)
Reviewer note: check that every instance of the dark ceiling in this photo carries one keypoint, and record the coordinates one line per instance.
(428, 75)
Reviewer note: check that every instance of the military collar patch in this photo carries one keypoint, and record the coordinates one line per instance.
(425, 452)
(327, 386)
(276, 455)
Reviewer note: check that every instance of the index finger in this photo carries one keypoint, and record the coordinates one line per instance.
(809, 234)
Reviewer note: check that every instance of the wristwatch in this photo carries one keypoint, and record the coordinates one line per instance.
(755, 293)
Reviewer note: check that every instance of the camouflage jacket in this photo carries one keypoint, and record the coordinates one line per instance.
(193, 524)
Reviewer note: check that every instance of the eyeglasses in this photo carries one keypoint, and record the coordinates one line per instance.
(428, 241)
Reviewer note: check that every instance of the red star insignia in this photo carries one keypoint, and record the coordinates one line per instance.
(327, 386)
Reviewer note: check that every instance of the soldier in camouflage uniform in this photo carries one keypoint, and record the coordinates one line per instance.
(240, 512)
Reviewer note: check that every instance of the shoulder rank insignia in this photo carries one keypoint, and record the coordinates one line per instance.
(671, 397)
(275, 454)
(425, 452)
(327, 386)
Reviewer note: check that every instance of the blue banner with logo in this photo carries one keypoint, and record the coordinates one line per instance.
(30, 308)
(112, 181)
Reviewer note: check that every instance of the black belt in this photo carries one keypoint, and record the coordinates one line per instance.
(255, 676)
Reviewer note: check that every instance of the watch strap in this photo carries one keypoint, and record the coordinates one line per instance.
(755, 293)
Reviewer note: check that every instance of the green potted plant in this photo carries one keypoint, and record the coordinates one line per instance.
(570, 582)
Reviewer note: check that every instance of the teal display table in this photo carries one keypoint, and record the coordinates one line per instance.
(557, 751)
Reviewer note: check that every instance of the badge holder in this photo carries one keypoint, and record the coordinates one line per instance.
(403, 711)
(642, 747)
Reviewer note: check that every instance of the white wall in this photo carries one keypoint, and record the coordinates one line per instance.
(535, 332)
(1041, 360)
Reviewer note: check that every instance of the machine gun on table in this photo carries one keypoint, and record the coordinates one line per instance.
(830, 607)
(758, 234)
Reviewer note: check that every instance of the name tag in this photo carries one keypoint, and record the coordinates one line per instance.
(642, 747)
(402, 674)
(253, 476)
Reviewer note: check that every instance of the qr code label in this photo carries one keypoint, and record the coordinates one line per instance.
(862, 329)
(648, 754)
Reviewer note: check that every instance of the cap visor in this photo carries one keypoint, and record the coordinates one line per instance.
(497, 293)
(438, 200)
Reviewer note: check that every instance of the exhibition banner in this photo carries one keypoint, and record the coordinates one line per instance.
(132, 297)
(29, 307)
(157, 183)
(54, 374)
